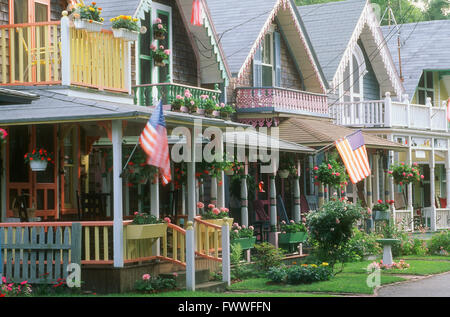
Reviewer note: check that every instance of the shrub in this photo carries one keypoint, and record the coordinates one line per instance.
(440, 243)
(277, 274)
(360, 245)
(150, 284)
(331, 227)
(9, 289)
(303, 274)
(267, 256)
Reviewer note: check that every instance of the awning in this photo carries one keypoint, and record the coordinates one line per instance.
(320, 133)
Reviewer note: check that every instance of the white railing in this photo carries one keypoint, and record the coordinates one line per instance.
(442, 218)
(388, 113)
(403, 219)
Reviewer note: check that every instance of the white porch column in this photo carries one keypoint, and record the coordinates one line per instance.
(447, 170)
(190, 256)
(432, 188)
(388, 110)
(244, 195)
(376, 175)
(273, 212)
(117, 193)
(214, 190)
(297, 197)
(154, 207)
(65, 49)
(410, 191)
(191, 203)
(221, 183)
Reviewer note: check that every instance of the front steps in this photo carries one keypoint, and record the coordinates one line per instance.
(202, 282)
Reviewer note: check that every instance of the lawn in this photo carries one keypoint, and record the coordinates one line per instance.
(343, 283)
(417, 267)
(189, 294)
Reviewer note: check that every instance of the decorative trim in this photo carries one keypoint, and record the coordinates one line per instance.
(369, 18)
(281, 4)
(261, 122)
(144, 6)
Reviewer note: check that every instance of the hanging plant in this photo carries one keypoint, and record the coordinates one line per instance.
(39, 159)
(404, 174)
(159, 29)
(138, 171)
(160, 55)
(288, 165)
(330, 173)
(180, 175)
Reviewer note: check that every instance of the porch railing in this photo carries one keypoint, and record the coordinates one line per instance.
(387, 113)
(281, 99)
(50, 53)
(442, 218)
(150, 94)
(30, 54)
(208, 238)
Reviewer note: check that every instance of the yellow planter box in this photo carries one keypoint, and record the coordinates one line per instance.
(219, 222)
(136, 232)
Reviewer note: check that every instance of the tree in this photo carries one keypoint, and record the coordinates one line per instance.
(437, 10)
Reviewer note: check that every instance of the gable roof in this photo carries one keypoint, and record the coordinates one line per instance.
(241, 25)
(334, 29)
(423, 47)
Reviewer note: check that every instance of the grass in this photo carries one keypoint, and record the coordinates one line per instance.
(427, 257)
(188, 294)
(417, 267)
(342, 283)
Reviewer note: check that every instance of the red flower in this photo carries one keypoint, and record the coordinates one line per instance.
(380, 201)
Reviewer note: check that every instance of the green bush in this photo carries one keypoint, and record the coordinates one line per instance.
(277, 274)
(331, 228)
(408, 245)
(304, 274)
(440, 243)
(150, 284)
(360, 245)
(267, 256)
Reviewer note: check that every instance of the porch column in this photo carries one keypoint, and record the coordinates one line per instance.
(376, 174)
(432, 188)
(214, 190)
(191, 203)
(273, 211)
(244, 196)
(3, 206)
(154, 207)
(410, 200)
(117, 193)
(65, 50)
(448, 175)
(221, 183)
(297, 197)
(183, 199)
(391, 159)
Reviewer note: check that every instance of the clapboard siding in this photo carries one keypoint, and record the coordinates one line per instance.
(370, 82)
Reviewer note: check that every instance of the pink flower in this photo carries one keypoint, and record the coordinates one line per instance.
(161, 47)
(389, 172)
(243, 227)
(251, 228)
(422, 177)
(146, 277)
(24, 282)
(158, 20)
(329, 166)
(292, 221)
(402, 163)
(369, 211)
(153, 47)
(338, 221)
(167, 219)
(214, 97)
(167, 52)
(216, 211)
(415, 164)
(316, 168)
(283, 222)
(192, 102)
(211, 206)
(338, 174)
(380, 201)
(160, 26)
(200, 205)
(222, 104)
(236, 231)
(179, 97)
(136, 213)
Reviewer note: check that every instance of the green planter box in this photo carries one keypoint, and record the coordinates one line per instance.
(382, 215)
(288, 238)
(245, 243)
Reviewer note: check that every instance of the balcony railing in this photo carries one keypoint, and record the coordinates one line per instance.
(150, 94)
(280, 99)
(387, 113)
(50, 53)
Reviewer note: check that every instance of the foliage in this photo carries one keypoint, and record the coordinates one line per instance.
(187, 101)
(159, 29)
(160, 53)
(235, 254)
(287, 162)
(90, 13)
(14, 289)
(138, 171)
(3, 135)
(408, 245)
(240, 232)
(39, 155)
(125, 22)
(401, 265)
(382, 206)
(360, 245)
(331, 227)
(440, 243)
(213, 212)
(180, 175)
(330, 173)
(145, 219)
(209, 104)
(303, 274)
(225, 110)
(404, 174)
(437, 10)
(57, 287)
(214, 168)
(267, 256)
(149, 284)
(292, 227)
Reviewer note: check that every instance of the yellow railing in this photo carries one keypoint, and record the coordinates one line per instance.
(30, 54)
(98, 60)
(209, 239)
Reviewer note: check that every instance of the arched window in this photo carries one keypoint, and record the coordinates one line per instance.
(352, 77)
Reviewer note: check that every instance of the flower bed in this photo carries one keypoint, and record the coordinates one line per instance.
(401, 265)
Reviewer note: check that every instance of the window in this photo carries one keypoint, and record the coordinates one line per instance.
(352, 87)
(267, 62)
(425, 88)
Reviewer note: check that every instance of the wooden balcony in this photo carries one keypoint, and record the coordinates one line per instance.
(280, 99)
(390, 114)
(150, 94)
(55, 53)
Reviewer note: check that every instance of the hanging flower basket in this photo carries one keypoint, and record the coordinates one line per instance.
(159, 64)
(38, 166)
(283, 173)
(229, 172)
(3, 135)
(159, 29)
(88, 25)
(126, 34)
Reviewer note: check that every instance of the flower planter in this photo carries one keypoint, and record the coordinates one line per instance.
(184, 109)
(160, 64)
(138, 232)
(38, 165)
(201, 111)
(283, 173)
(245, 243)
(382, 215)
(225, 116)
(294, 237)
(126, 34)
(216, 113)
(89, 26)
(159, 36)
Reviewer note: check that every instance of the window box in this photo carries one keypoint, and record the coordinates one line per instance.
(126, 34)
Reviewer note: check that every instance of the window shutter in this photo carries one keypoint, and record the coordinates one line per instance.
(257, 67)
(277, 58)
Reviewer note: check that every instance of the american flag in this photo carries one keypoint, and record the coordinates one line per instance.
(354, 154)
(153, 141)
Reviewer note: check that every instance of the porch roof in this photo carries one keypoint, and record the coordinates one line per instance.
(58, 107)
(255, 139)
(320, 133)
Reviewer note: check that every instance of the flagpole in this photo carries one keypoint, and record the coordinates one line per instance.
(129, 158)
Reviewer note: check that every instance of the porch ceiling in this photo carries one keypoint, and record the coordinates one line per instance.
(320, 133)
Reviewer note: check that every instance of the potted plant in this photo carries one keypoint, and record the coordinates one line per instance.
(146, 226)
(88, 17)
(3, 135)
(125, 27)
(160, 55)
(243, 236)
(404, 174)
(215, 215)
(210, 105)
(287, 167)
(330, 173)
(38, 159)
(382, 210)
(292, 233)
(226, 111)
(159, 30)
(177, 103)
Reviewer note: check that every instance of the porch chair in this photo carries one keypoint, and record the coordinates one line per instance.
(262, 223)
(91, 206)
